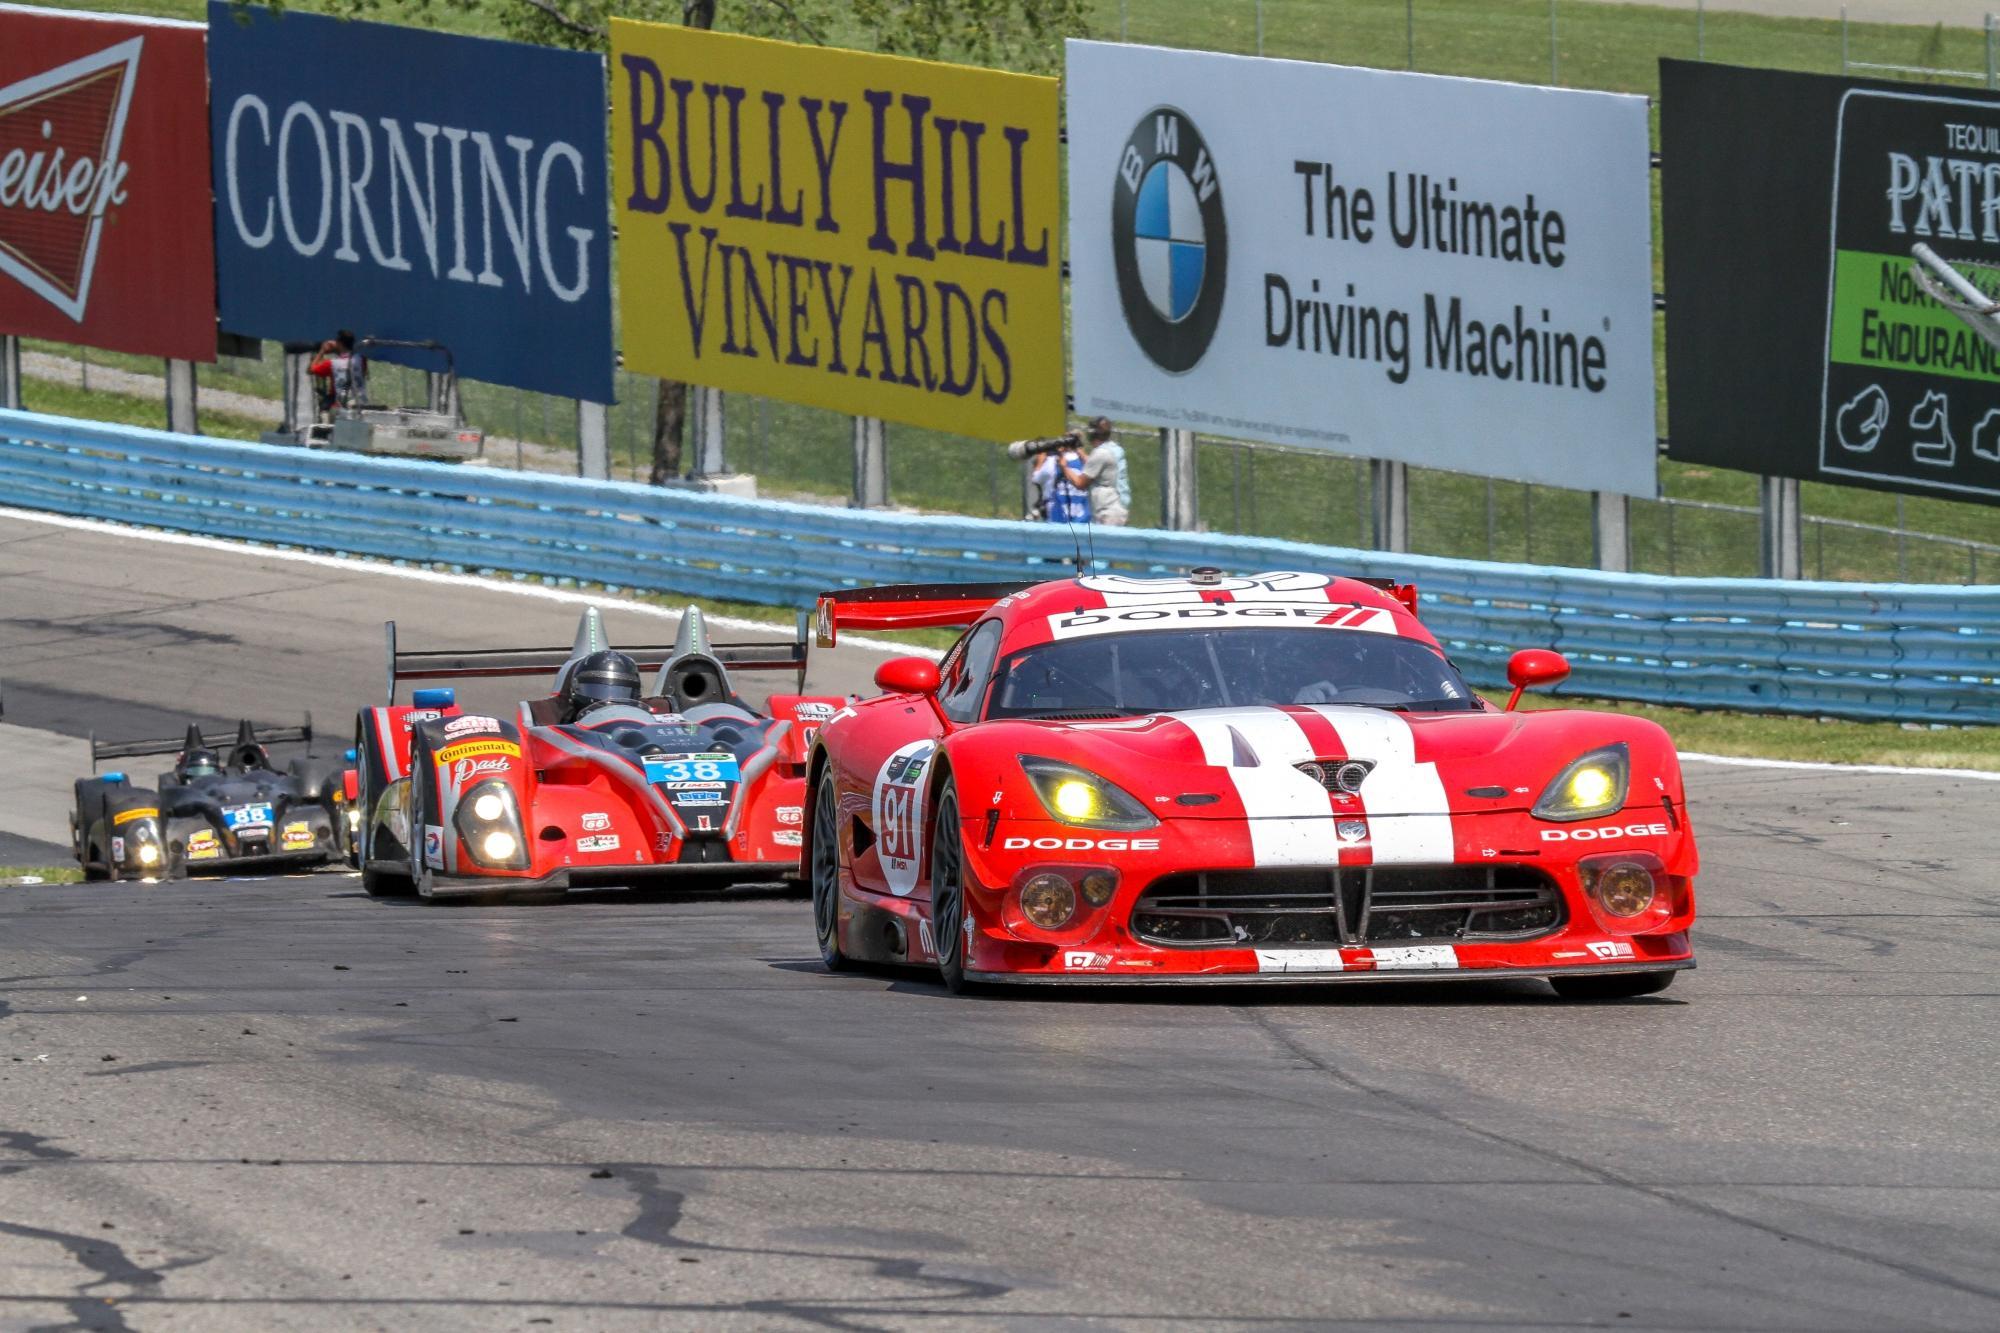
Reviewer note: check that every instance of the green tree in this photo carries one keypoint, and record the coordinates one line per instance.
(1025, 35)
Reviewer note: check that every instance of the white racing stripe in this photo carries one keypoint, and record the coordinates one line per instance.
(1290, 822)
(1409, 819)
(351, 565)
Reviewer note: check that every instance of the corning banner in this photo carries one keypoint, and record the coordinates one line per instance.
(1799, 343)
(104, 211)
(865, 233)
(1449, 272)
(411, 184)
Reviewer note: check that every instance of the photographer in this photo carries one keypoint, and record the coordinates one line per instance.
(1058, 499)
(1098, 469)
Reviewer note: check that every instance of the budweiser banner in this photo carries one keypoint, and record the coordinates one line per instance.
(105, 235)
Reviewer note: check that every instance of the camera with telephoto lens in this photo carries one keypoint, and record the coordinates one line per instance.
(1032, 448)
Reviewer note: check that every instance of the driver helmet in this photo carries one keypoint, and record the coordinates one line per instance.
(199, 764)
(604, 677)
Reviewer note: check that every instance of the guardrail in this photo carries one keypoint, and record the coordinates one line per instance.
(1893, 652)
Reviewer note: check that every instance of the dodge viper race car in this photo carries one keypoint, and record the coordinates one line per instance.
(596, 783)
(1227, 779)
(222, 806)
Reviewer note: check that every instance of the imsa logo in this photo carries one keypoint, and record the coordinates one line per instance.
(1169, 239)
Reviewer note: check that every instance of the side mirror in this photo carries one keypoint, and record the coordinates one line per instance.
(1532, 668)
(907, 675)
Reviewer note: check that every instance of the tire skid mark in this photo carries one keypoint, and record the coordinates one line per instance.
(1604, 1175)
(112, 1266)
(662, 1210)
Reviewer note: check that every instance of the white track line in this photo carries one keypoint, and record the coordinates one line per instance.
(1892, 770)
(522, 589)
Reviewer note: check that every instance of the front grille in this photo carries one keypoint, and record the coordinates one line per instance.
(1354, 906)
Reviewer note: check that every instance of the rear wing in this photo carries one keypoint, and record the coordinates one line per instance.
(906, 606)
(486, 663)
(214, 740)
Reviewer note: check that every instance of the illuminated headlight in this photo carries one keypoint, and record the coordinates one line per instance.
(1076, 796)
(353, 818)
(1593, 785)
(489, 820)
(149, 855)
(1048, 901)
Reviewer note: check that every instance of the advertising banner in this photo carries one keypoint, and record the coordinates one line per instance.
(1449, 272)
(1799, 343)
(410, 184)
(870, 234)
(104, 213)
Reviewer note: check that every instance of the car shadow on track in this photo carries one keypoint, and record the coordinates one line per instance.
(1521, 991)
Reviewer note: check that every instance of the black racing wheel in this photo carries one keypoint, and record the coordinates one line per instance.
(948, 894)
(824, 873)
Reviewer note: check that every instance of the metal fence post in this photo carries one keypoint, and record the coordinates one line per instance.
(10, 372)
(1779, 526)
(1260, 27)
(1989, 50)
(1843, 39)
(871, 463)
(300, 409)
(710, 458)
(1389, 493)
(1611, 531)
(1554, 73)
(1701, 29)
(1180, 503)
(1410, 33)
(180, 398)
(593, 440)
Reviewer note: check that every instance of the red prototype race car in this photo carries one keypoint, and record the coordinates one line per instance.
(1230, 779)
(597, 783)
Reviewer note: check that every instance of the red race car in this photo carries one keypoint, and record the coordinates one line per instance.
(1232, 779)
(597, 783)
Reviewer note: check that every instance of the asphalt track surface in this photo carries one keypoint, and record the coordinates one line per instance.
(279, 1104)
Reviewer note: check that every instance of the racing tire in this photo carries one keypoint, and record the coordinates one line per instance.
(94, 869)
(375, 882)
(824, 874)
(1616, 986)
(948, 895)
(420, 799)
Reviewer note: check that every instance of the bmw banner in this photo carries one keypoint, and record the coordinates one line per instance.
(411, 184)
(1448, 272)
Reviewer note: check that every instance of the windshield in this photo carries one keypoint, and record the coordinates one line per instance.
(1168, 670)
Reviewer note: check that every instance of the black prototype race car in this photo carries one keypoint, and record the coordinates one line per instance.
(223, 805)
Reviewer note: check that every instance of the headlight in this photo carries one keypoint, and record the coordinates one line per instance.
(149, 855)
(1625, 888)
(1594, 785)
(1048, 901)
(1076, 796)
(489, 820)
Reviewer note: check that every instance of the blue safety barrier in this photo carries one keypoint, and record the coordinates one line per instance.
(1881, 651)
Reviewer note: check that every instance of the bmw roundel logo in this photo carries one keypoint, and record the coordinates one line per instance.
(1170, 239)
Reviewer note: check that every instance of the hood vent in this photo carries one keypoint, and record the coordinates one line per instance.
(1342, 775)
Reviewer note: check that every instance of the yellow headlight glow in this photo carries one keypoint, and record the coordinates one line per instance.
(149, 855)
(1590, 787)
(488, 806)
(499, 845)
(1075, 800)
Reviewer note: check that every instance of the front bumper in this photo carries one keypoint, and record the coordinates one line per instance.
(1112, 944)
(688, 875)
